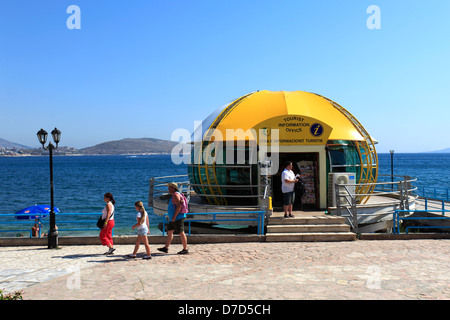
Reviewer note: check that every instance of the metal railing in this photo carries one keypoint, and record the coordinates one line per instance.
(260, 219)
(396, 193)
(396, 219)
(442, 203)
(435, 193)
(351, 209)
(42, 223)
(158, 188)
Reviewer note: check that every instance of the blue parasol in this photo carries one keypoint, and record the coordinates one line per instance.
(34, 210)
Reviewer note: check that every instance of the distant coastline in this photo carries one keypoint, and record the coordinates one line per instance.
(81, 155)
(128, 147)
(45, 153)
(124, 147)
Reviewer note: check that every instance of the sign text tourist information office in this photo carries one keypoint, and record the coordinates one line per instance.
(315, 133)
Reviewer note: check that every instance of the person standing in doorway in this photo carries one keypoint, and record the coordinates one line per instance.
(176, 210)
(288, 181)
(108, 216)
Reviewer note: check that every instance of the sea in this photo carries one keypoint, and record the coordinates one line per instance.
(81, 181)
(79, 185)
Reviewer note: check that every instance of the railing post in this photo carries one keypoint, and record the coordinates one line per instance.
(263, 217)
(259, 224)
(393, 222)
(397, 219)
(406, 195)
(338, 199)
(355, 217)
(398, 222)
(400, 188)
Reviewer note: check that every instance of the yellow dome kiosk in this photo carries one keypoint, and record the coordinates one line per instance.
(318, 135)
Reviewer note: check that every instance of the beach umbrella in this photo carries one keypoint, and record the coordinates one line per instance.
(34, 210)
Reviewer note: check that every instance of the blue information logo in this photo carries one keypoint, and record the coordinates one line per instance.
(316, 130)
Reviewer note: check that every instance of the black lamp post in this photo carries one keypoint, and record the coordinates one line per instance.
(42, 136)
(392, 168)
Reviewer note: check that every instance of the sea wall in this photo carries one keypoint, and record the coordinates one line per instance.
(199, 239)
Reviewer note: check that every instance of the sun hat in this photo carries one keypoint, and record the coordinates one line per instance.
(173, 185)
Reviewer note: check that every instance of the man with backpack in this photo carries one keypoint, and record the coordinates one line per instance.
(177, 209)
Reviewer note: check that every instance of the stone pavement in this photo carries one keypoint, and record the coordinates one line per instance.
(400, 269)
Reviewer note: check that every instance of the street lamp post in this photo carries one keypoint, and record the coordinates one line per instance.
(392, 168)
(42, 136)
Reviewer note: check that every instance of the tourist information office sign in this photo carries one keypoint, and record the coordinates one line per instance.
(292, 130)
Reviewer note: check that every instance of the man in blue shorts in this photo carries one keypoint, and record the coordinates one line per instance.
(176, 210)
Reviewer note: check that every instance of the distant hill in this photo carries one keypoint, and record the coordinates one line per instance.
(440, 151)
(124, 146)
(131, 146)
(443, 151)
(8, 144)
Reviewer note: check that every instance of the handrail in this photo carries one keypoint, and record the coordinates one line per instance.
(442, 203)
(396, 219)
(259, 219)
(214, 185)
(266, 193)
(438, 193)
(175, 176)
(352, 213)
(404, 191)
(159, 182)
(229, 185)
(399, 192)
(40, 216)
(214, 195)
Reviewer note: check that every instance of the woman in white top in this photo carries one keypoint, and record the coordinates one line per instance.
(108, 216)
(142, 228)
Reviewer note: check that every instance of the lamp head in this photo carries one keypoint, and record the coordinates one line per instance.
(56, 134)
(42, 136)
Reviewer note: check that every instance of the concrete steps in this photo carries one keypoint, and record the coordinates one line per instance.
(307, 220)
(313, 228)
(310, 237)
(307, 228)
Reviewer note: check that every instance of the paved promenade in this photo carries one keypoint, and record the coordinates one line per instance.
(400, 269)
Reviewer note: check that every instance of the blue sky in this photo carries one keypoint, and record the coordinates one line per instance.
(144, 68)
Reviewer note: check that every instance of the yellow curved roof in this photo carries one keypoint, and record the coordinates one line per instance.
(250, 110)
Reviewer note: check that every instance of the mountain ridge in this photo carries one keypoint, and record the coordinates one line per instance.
(114, 147)
(131, 146)
(447, 150)
(9, 144)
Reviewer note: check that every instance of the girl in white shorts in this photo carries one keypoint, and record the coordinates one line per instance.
(142, 230)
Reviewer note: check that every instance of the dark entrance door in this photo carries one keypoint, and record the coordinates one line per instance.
(305, 164)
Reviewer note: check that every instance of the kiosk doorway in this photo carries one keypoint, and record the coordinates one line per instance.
(307, 165)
